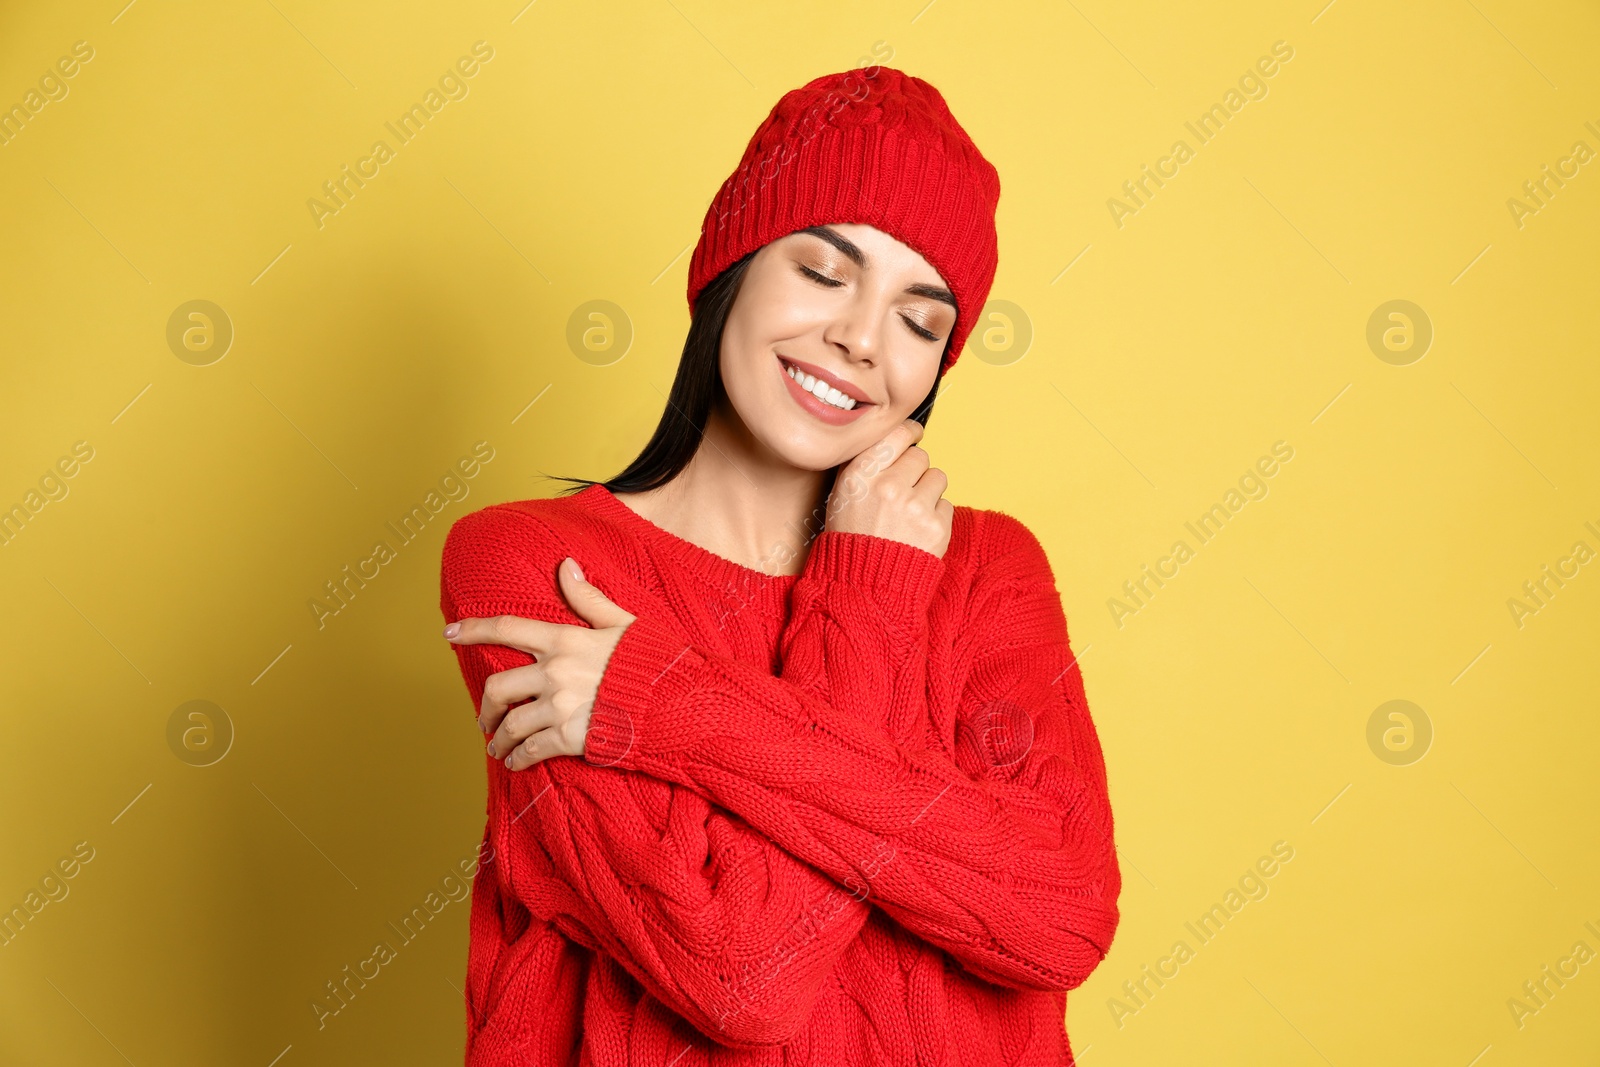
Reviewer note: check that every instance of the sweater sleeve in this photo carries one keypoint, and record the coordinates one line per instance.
(714, 920)
(857, 634)
(999, 850)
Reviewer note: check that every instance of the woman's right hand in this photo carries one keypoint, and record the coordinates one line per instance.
(890, 491)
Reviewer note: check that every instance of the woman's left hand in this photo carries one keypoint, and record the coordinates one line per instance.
(562, 682)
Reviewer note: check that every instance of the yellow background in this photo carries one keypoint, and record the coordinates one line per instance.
(369, 354)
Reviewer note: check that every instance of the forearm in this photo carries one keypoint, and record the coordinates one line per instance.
(1013, 874)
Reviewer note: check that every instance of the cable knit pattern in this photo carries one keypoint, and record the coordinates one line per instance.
(856, 815)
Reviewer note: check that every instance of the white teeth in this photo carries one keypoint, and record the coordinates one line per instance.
(820, 389)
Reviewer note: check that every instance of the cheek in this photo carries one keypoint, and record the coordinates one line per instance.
(913, 372)
(743, 342)
(766, 318)
(765, 312)
(743, 357)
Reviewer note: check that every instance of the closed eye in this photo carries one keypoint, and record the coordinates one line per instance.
(832, 283)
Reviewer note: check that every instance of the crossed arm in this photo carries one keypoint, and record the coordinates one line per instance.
(727, 830)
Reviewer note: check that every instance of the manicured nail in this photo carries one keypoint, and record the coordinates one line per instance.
(491, 748)
(453, 629)
(576, 570)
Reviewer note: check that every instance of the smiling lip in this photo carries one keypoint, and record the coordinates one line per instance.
(821, 375)
(810, 402)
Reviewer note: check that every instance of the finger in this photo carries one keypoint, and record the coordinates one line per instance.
(947, 515)
(933, 481)
(537, 748)
(588, 602)
(888, 448)
(521, 723)
(513, 631)
(911, 465)
(505, 688)
(903, 436)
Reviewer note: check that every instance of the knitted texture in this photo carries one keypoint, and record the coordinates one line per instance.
(856, 815)
(875, 146)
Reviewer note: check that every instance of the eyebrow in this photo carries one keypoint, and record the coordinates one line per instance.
(859, 258)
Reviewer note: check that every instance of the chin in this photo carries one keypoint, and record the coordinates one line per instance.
(805, 452)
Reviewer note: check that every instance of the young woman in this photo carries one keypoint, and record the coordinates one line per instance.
(761, 792)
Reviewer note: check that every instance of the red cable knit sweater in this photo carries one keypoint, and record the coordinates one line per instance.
(856, 815)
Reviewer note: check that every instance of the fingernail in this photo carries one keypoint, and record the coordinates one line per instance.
(491, 748)
(453, 629)
(577, 570)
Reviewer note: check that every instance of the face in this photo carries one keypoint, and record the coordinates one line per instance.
(850, 307)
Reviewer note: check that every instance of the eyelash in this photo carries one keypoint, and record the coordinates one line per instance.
(816, 276)
(833, 283)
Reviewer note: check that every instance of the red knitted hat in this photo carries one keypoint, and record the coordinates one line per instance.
(874, 146)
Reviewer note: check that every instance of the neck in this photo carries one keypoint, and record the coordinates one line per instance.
(740, 500)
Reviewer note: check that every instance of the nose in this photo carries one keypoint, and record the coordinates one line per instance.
(857, 328)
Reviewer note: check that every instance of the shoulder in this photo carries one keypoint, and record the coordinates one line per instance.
(504, 559)
(1000, 547)
(515, 520)
(526, 522)
(1013, 592)
(515, 535)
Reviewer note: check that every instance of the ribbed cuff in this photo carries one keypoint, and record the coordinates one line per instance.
(652, 663)
(902, 578)
(647, 663)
